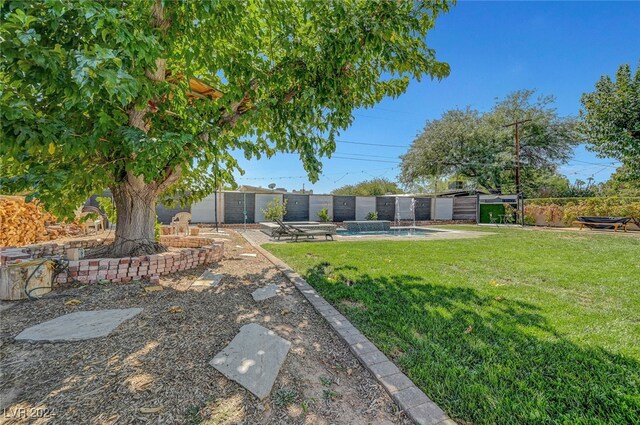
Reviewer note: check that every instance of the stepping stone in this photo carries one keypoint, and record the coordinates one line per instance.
(154, 288)
(264, 293)
(253, 358)
(208, 278)
(78, 326)
(248, 255)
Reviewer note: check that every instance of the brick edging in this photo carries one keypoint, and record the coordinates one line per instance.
(406, 394)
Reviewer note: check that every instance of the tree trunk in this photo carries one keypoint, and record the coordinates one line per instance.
(135, 203)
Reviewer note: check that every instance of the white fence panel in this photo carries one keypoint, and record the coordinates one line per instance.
(404, 208)
(261, 203)
(318, 202)
(203, 211)
(444, 208)
(365, 205)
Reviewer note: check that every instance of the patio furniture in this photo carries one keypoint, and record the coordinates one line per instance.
(295, 232)
(180, 223)
(603, 222)
(493, 220)
(88, 223)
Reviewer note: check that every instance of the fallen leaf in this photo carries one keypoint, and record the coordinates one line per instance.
(284, 312)
(468, 330)
(73, 301)
(349, 371)
(154, 288)
(150, 409)
(499, 298)
(175, 309)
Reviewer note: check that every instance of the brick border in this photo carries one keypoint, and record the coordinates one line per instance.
(406, 394)
(193, 252)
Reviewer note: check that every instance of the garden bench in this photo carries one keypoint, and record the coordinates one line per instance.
(603, 222)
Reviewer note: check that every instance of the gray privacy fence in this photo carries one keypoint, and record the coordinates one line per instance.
(246, 207)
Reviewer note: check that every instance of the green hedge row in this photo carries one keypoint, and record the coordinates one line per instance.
(617, 200)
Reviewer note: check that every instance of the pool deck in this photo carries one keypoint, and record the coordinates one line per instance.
(260, 238)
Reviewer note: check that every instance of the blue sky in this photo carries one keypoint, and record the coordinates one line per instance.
(557, 48)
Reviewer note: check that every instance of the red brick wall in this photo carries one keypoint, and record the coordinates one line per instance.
(196, 251)
(146, 266)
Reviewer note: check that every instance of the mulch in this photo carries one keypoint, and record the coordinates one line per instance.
(154, 368)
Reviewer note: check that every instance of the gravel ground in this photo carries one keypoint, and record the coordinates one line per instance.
(154, 368)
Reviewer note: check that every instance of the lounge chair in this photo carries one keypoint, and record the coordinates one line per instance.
(296, 232)
(603, 222)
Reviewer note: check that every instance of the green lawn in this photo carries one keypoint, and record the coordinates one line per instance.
(522, 326)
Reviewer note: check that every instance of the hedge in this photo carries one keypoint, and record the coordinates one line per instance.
(566, 210)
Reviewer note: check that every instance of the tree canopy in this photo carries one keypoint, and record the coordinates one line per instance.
(149, 98)
(373, 187)
(478, 146)
(611, 119)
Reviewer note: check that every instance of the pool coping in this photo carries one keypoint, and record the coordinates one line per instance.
(411, 399)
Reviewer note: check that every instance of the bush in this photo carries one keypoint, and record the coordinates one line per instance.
(323, 215)
(566, 210)
(373, 215)
(157, 230)
(275, 210)
(109, 208)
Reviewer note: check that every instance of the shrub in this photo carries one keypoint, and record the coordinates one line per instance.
(373, 215)
(275, 210)
(109, 208)
(566, 210)
(323, 215)
(157, 230)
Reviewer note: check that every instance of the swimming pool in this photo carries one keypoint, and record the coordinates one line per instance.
(394, 231)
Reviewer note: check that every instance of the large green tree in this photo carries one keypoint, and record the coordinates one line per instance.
(373, 187)
(611, 119)
(480, 147)
(148, 98)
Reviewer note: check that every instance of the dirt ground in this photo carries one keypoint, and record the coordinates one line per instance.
(154, 368)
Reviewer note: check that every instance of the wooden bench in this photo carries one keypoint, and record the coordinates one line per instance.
(589, 224)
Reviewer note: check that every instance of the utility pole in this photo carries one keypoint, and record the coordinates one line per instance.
(516, 124)
(519, 194)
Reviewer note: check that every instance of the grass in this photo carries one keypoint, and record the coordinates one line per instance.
(521, 326)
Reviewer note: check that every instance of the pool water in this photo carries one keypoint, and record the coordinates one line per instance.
(394, 231)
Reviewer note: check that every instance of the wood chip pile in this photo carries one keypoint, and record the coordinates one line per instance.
(24, 223)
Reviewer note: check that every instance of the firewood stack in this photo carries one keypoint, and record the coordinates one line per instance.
(24, 223)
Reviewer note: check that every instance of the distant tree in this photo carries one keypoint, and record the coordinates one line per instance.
(545, 184)
(619, 184)
(272, 186)
(477, 146)
(144, 96)
(611, 120)
(373, 187)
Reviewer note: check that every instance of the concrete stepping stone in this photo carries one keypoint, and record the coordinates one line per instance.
(78, 326)
(208, 278)
(264, 293)
(253, 358)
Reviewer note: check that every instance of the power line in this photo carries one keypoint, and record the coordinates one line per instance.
(595, 163)
(363, 159)
(373, 144)
(361, 154)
